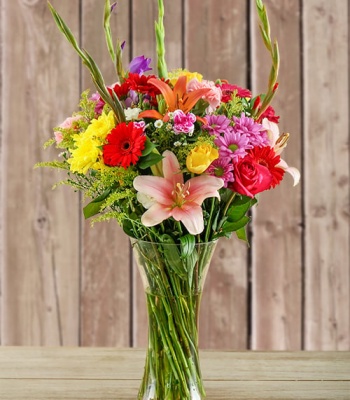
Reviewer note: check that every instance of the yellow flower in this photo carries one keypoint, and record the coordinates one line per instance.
(176, 73)
(99, 128)
(87, 153)
(199, 158)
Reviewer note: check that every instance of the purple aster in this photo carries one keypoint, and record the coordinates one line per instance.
(139, 65)
(255, 132)
(217, 124)
(222, 168)
(233, 145)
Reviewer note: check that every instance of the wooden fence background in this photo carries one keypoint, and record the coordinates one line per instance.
(64, 283)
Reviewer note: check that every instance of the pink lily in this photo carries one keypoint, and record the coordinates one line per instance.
(169, 196)
(278, 143)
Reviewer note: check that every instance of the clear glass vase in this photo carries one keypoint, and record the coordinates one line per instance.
(173, 283)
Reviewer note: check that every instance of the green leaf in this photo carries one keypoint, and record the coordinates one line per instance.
(149, 147)
(238, 208)
(149, 160)
(242, 234)
(234, 226)
(187, 245)
(94, 207)
(172, 256)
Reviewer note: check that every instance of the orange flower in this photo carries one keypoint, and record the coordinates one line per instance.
(176, 99)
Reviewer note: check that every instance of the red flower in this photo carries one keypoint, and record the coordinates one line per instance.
(257, 171)
(269, 113)
(121, 90)
(124, 145)
(227, 89)
(140, 84)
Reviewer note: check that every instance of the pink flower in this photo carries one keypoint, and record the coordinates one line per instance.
(213, 97)
(58, 136)
(68, 123)
(222, 168)
(169, 196)
(183, 123)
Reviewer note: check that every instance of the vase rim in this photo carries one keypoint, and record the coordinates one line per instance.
(134, 240)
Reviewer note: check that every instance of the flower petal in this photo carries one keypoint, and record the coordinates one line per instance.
(171, 168)
(291, 170)
(155, 215)
(191, 215)
(156, 187)
(202, 187)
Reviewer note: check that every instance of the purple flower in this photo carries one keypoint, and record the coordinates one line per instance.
(131, 99)
(99, 103)
(183, 123)
(113, 6)
(139, 65)
(222, 168)
(233, 145)
(216, 124)
(255, 132)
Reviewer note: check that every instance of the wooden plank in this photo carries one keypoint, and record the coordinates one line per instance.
(216, 46)
(40, 259)
(326, 99)
(2, 166)
(111, 363)
(127, 390)
(106, 373)
(143, 43)
(105, 291)
(277, 240)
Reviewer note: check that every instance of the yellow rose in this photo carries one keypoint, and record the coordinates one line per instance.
(175, 75)
(199, 158)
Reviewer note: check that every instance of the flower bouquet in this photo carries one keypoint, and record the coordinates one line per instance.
(178, 161)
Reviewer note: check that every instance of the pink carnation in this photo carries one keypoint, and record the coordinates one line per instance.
(213, 97)
(183, 123)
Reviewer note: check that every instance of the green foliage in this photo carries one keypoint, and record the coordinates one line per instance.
(232, 108)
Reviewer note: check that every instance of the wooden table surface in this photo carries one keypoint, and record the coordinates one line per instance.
(38, 373)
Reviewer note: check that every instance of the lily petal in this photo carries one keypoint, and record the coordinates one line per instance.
(171, 168)
(291, 170)
(155, 215)
(202, 187)
(156, 187)
(191, 215)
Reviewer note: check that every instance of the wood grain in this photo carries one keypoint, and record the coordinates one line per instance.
(105, 271)
(62, 282)
(105, 373)
(277, 236)
(40, 261)
(326, 99)
(216, 46)
(143, 43)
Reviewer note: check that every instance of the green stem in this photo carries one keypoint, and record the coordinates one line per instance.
(231, 198)
(207, 231)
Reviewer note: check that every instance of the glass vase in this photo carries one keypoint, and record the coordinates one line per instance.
(173, 283)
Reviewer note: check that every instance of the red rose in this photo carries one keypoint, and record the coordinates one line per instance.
(257, 172)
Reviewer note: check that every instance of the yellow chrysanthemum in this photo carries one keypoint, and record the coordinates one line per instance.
(87, 153)
(176, 73)
(99, 128)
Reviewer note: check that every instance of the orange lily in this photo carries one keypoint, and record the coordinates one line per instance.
(176, 99)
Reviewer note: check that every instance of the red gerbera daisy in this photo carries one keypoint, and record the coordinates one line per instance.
(124, 145)
(267, 157)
